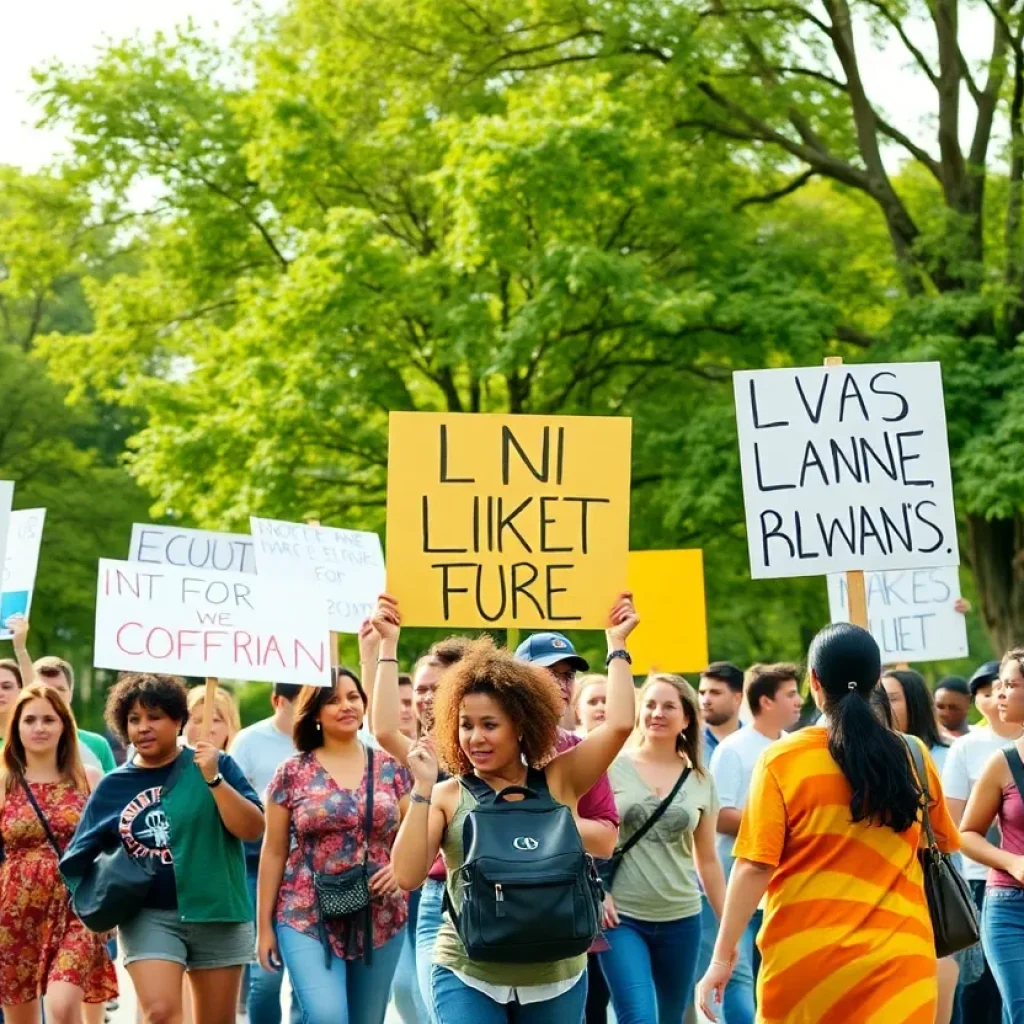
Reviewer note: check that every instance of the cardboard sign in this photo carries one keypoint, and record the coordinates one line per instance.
(668, 589)
(345, 566)
(24, 538)
(207, 623)
(519, 521)
(910, 613)
(191, 549)
(845, 467)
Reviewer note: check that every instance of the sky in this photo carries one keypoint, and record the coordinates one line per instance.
(71, 31)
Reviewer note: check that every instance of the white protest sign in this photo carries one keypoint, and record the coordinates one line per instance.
(6, 497)
(910, 613)
(346, 565)
(206, 623)
(24, 538)
(191, 549)
(845, 467)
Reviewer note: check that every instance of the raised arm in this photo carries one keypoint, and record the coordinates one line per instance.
(241, 816)
(385, 706)
(578, 769)
(982, 807)
(369, 651)
(18, 625)
(419, 838)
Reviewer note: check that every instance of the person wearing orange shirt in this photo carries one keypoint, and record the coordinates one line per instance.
(831, 832)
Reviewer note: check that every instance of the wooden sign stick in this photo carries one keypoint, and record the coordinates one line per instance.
(335, 640)
(208, 706)
(856, 592)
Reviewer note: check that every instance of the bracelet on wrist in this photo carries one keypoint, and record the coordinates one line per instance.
(417, 799)
(387, 661)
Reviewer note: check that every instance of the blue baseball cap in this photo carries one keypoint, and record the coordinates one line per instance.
(547, 649)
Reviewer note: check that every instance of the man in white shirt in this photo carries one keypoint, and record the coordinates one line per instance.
(773, 698)
(259, 749)
(967, 757)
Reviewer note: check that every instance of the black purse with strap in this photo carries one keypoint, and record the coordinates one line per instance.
(342, 896)
(607, 869)
(950, 904)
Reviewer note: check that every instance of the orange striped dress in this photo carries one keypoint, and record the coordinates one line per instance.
(846, 935)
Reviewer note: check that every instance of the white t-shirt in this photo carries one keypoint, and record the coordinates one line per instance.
(259, 749)
(966, 758)
(732, 767)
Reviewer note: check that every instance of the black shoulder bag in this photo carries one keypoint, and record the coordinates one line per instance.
(607, 868)
(340, 897)
(950, 904)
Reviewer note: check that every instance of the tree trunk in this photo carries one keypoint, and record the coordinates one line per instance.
(996, 551)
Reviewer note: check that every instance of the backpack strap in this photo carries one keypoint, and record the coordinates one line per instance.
(1016, 767)
(536, 787)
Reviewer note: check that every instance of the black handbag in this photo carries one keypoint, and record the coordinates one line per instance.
(607, 868)
(115, 885)
(950, 903)
(340, 897)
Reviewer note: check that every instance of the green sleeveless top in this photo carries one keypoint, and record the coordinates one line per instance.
(449, 951)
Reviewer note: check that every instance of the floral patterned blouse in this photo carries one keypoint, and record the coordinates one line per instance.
(328, 823)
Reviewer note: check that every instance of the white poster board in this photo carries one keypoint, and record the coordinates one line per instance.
(910, 613)
(6, 498)
(21, 560)
(346, 565)
(845, 467)
(208, 623)
(191, 549)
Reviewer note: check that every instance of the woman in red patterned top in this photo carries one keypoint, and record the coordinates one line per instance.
(44, 949)
(339, 974)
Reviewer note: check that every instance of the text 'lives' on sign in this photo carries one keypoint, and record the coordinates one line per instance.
(518, 521)
(844, 468)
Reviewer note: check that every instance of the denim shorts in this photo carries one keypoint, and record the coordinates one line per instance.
(162, 935)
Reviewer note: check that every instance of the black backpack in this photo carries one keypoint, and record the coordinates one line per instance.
(530, 892)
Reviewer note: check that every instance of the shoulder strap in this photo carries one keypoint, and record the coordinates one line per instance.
(536, 785)
(186, 756)
(1016, 767)
(42, 818)
(368, 816)
(917, 756)
(655, 815)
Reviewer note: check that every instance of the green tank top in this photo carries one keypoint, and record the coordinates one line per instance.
(449, 951)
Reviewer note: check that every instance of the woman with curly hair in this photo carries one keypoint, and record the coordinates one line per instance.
(185, 813)
(45, 951)
(496, 718)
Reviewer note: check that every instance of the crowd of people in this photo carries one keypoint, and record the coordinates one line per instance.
(505, 836)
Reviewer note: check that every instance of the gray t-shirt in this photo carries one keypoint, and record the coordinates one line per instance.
(657, 880)
(258, 750)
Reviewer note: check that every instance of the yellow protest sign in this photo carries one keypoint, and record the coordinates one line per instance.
(668, 587)
(519, 521)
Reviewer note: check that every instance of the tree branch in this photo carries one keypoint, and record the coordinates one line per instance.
(780, 193)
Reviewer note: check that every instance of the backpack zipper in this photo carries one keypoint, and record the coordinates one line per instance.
(499, 900)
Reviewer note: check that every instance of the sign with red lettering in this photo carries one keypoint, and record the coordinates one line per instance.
(844, 468)
(208, 623)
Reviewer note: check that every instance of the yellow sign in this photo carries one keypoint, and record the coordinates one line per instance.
(668, 587)
(519, 521)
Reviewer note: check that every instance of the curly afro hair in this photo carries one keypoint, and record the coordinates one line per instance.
(528, 695)
(156, 692)
(450, 651)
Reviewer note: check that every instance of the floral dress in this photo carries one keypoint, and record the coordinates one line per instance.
(329, 824)
(41, 940)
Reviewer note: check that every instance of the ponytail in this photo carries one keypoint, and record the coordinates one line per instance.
(874, 760)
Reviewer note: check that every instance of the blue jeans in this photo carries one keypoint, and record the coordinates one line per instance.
(738, 1006)
(457, 1003)
(428, 924)
(1002, 934)
(651, 968)
(264, 1000)
(349, 992)
(408, 1001)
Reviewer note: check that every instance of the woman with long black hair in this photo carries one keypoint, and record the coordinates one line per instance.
(831, 832)
(913, 711)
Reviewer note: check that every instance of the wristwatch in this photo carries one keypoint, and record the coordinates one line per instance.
(624, 655)
(215, 781)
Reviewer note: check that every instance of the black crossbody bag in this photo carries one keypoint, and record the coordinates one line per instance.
(608, 868)
(950, 904)
(340, 897)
